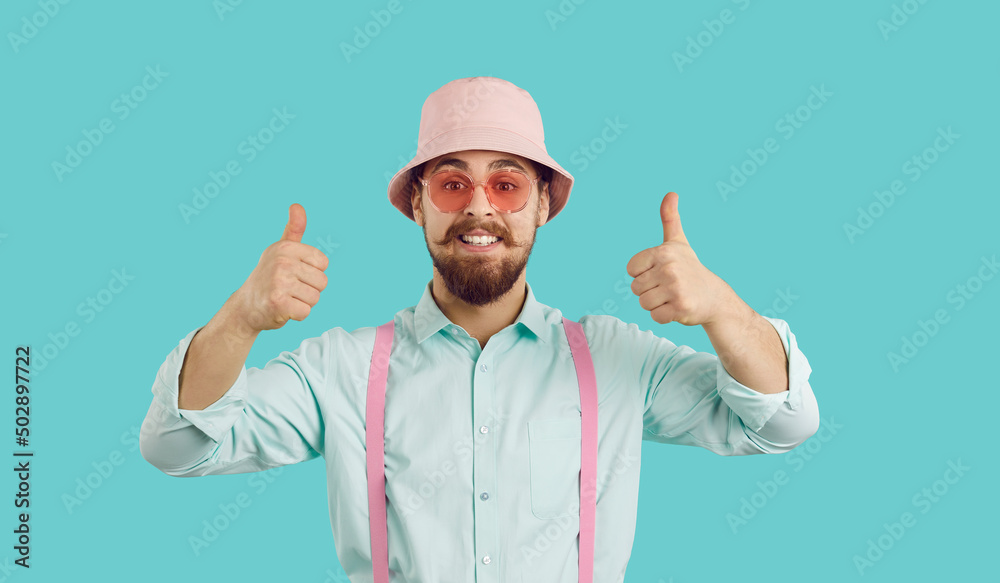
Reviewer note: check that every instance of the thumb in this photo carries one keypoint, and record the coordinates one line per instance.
(296, 226)
(672, 230)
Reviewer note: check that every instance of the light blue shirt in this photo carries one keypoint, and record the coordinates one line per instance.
(482, 445)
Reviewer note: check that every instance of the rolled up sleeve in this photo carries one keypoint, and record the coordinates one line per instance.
(775, 422)
(269, 417)
(690, 399)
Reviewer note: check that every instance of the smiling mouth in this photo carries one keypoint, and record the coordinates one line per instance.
(480, 241)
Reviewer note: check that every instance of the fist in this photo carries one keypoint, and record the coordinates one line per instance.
(287, 281)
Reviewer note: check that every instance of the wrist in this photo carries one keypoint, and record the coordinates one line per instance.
(234, 320)
(731, 311)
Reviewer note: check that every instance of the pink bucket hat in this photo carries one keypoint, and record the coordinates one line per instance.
(481, 113)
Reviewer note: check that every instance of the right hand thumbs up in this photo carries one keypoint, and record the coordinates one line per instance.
(296, 226)
(287, 281)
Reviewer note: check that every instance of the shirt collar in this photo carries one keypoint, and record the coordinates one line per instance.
(428, 318)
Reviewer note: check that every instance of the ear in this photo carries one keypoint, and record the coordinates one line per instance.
(415, 202)
(543, 206)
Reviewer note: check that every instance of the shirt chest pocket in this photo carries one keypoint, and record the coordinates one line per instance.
(554, 457)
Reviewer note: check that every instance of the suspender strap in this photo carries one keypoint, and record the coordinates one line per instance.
(588, 446)
(375, 448)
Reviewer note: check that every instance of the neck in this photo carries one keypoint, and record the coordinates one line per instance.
(481, 322)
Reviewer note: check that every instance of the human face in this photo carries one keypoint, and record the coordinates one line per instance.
(480, 275)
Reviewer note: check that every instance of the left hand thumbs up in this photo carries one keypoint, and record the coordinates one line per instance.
(670, 281)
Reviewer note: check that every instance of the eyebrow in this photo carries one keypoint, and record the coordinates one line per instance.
(494, 165)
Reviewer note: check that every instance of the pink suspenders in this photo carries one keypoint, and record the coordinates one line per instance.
(375, 435)
(375, 450)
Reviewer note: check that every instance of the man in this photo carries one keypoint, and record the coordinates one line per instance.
(484, 405)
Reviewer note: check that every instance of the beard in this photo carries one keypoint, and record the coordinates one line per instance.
(481, 279)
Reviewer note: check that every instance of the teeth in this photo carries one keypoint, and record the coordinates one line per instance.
(481, 241)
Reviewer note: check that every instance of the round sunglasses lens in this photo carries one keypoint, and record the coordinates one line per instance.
(509, 190)
(450, 191)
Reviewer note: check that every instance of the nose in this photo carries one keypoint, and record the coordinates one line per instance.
(479, 205)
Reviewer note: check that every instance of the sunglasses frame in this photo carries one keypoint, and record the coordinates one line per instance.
(475, 183)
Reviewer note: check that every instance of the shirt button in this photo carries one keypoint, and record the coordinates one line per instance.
(482, 367)
(486, 560)
(484, 429)
(484, 496)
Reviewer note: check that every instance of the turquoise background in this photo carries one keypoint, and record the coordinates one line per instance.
(356, 122)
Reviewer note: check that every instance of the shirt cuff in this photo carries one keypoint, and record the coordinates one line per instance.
(216, 419)
(756, 408)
